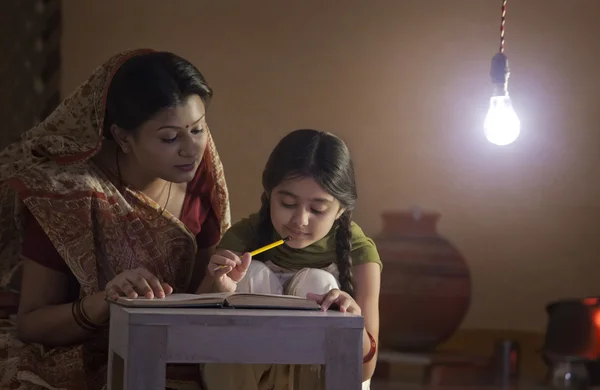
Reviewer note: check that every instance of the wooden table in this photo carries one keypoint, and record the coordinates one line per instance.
(145, 340)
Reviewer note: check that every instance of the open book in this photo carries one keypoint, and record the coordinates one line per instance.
(231, 300)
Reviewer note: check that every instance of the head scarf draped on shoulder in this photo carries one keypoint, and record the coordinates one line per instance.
(46, 172)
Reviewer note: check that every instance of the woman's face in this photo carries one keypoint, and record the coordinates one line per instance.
(302, 210)
(171, 144)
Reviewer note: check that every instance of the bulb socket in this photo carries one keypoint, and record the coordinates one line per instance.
(499, 74)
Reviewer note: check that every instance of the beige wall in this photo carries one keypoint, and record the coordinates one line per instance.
(406, 84)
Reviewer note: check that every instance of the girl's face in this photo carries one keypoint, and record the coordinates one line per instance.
(302, 210)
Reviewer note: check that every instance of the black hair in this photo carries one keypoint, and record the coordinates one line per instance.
(148, 83)
(325, 158)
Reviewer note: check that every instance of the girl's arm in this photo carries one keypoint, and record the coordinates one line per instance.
(224, 279)
(367, 280)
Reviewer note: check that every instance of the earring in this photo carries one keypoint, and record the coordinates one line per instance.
(125, 148)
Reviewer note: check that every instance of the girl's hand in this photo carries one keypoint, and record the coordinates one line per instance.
(227, 269)
(136, 282)
(342, 300)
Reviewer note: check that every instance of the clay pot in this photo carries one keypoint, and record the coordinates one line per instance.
(425, 283)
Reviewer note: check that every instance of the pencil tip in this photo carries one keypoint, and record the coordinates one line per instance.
(287, 238)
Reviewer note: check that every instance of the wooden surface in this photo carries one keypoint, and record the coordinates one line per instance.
(473, 346)
(380, 385)
(424, 358)
(481, 342)
(436, 368)
(142, 341)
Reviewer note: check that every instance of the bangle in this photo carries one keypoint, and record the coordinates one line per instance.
(372, 350)
(76, 311)
(81, 317)
(87, 319)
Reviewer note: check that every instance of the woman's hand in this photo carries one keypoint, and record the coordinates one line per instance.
(137, 282)
(227, 269)
(341, 299)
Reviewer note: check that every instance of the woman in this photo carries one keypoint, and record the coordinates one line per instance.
(120, 191)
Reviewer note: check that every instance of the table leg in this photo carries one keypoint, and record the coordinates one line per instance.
(115, 371)
(343, 359)
(145, 364)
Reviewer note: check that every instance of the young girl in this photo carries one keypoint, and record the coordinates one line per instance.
(309, 195)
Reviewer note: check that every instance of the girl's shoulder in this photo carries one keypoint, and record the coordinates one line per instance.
(364, 249)
(359, 238)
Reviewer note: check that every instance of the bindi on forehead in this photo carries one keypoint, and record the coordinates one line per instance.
(183, 116)
(195, 123)
(186, 126)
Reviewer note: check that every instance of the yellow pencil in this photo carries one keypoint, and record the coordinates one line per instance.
(261, 250)
(267, 247)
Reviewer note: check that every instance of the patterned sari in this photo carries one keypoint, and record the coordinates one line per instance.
(98, 230)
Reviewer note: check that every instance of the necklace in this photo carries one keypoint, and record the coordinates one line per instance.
(121, 185)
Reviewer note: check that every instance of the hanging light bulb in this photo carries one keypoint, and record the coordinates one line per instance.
(502, 125)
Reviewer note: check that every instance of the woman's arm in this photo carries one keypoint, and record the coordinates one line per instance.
(367, 281)
(44, 315)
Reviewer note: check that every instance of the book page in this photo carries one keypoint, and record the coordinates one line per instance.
(239, 300)
(275, 296)
(175, 298)
(273, 301)
(168, 298)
